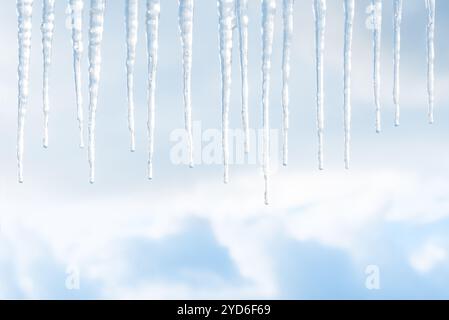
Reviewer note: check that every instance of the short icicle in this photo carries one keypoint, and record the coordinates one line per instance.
(152, 29)
(397, 57)
(226, 10)
(377, 29)
(242, 23)
(24, 12)
(320, 25)
(268, 16)
(349, 7)
(131, 24)
(186, 11)
(76, 9)
(47, 28)
(97, 9)
(430, 4)
(288, 35)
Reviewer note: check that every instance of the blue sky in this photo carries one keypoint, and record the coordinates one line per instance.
(186, 234)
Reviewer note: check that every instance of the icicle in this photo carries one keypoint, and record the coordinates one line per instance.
(268, 15)
(97, 8)
(186, 29)
(226, 9)
(47, 27)
(24, 12)
(152, 22)
(288, 34)
(320, 24)
(430, 4)
(242, 23)
(76, 8)
(132, 12)
(377, 29)
(349, 6)
(397, 56)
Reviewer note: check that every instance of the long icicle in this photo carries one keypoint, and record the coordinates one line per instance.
(242, 23)
(131, 24)
(397, 57)
(186, 8)
(47, 28)
(76, 9)
(320, 25)
(377, 29)
(97, 9)
(152, 22)
(288, 35)
(24, 12)
(430, 4)
(268, 15)
(349, 7)
(226, 9)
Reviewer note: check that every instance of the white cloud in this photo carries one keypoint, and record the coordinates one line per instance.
(334, 209)
(428, 257)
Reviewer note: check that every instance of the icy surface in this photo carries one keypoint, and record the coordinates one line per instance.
(226, 13)
(152, 27)
(76, 8)
(349, 7)
(288, 34)
(131, 23)
(24, 12)
(430, 4)
(97, 8)
(377, 29)
(320, 24)
(268, 16)
(47, 28)
(242, 23)
(186, 8)
(397, 57)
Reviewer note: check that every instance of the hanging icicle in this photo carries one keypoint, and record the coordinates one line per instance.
(320, 25)
(97, 9)
(288, 35)
(233, 14)
(47, 28)
(76, 9)
(24, 12)
(152, 22)
(268, 15)
(376, 6)
(349, 7)
(430, 5)
(226, 10)
(242, 23)
(397, 57)
(186, 8)
(131, 23)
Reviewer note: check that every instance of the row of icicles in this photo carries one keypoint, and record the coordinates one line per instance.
(231, 14)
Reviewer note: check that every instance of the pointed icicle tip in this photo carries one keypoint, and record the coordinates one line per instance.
(24, 30)
(430, 5)
(349, 9)
(185, 14)
(97, 10)
(76, 23)
(397, 57)
(286, 52)
(226, 17)
(131, 23)
(242, 25)
(268, 24)
(320, 25)
(153, 9)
